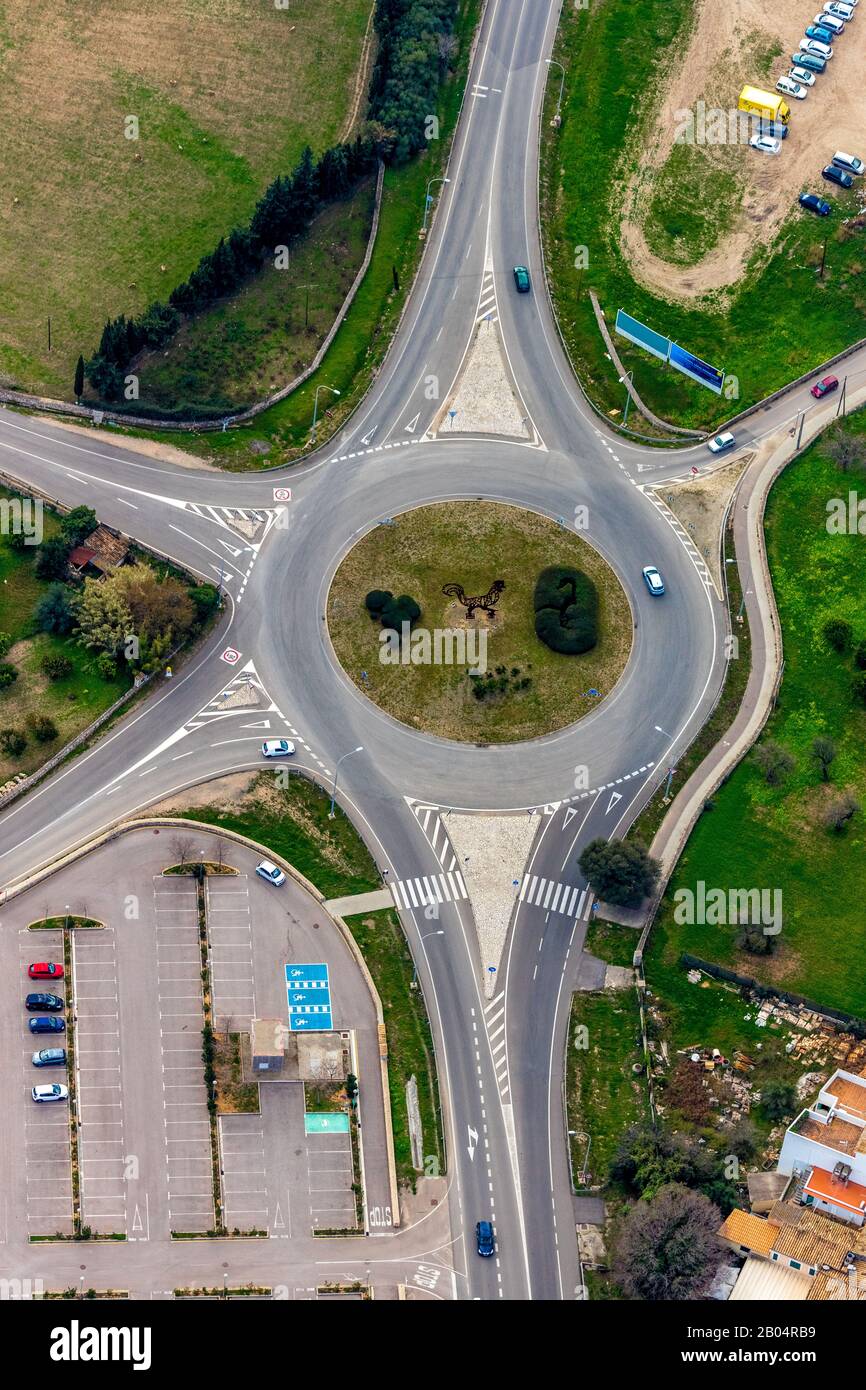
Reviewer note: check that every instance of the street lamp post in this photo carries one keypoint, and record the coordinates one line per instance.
(551, 62)
(335, 392)
(359, 749)
(428, 200)
(629, 377)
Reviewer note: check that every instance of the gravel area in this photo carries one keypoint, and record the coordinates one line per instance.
(491, 853)
(485, 399)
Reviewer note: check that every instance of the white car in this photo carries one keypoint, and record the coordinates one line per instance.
(821, 50)
(269, 871)
(653, 580)
(842, 9)
(849, 162)
(721, 442)
(831, 22)
(766, 144)
(55, 1092)
(790, 88)
(277, 748)
(803, 76)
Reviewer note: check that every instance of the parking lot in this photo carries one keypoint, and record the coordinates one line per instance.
(101, 1147)
(144, 1138)
(229, 927)
(181, 1017)
(46, 1170)
(279, 1179)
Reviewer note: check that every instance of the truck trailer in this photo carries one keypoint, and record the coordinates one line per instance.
(768, 106)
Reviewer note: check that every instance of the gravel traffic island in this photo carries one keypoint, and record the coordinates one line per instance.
(485, 401)
(491, 853)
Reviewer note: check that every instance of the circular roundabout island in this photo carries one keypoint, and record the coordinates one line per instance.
(479, 622)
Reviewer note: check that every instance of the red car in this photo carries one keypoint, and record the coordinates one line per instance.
(45, 970)
(823, 388)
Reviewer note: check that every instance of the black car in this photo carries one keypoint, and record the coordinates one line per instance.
(834, 175)
(51, 1024)
(484, 1239)
(51, 1002)
(815, 204)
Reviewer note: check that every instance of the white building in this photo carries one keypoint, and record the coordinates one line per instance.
(825, 1149)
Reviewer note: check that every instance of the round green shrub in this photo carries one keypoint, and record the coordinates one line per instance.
(377, 600)
(12, 742)
(8, 674)
(43, 728)
(566, 610)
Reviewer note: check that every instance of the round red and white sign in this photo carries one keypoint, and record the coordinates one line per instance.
(282, 494)
(231, 656)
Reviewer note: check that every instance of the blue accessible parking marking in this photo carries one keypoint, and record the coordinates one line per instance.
(331, 1123)
(308, 995)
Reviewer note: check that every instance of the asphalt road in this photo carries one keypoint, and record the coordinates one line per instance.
(506, 1151)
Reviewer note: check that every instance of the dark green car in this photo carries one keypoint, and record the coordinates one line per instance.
(521, 279)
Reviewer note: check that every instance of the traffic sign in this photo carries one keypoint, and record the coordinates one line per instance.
(282, 494)
(231, 655)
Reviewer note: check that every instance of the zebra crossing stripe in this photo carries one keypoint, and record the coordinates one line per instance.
(559, 888)
(551, 896)
(435, 888)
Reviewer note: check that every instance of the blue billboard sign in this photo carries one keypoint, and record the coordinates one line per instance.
(696, 368)
(638, 332)
(308, 996)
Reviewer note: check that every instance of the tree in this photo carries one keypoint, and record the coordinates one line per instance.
(668, 1248)
(42, 728)
(846, 451)
(205, 599)
(823, 754)
(8, 674)
(742, 1139)
(840, 811)
(160, 608)
(837, 633)
(104, 620)
(774, 761)
(181, 848)
(52, 558)
(5, 642)
(779, 1099)
(858, 687)
(13, 742)
(78, 384)
(55, 611)
(77, 524)
(619, 871)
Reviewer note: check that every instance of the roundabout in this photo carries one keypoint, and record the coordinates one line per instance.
(479, 675)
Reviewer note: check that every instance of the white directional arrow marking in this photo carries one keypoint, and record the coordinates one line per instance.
(413, 424)
(365, 438)
(278, 1218)
(614, 798)
(568, 816)
(473, 1140)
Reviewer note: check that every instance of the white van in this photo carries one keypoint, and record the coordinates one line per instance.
(831, 22)
(850, 162)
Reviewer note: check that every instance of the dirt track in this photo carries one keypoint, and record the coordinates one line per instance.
(832, 117)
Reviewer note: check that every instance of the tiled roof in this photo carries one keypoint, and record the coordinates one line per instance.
(744, 1228)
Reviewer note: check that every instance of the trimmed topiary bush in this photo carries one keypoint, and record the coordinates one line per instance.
(400, 610)
(566, 610)
(377, 600)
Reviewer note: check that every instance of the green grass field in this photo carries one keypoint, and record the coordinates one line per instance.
(473, 544)
(603, 1096)
(364, 337)
(293, 821)
(95, 224)
(610, 52)
(774, 837)
(410, 1046)
(237, 352)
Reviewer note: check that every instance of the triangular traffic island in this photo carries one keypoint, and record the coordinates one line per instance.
(491, 853)
(485, 400)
